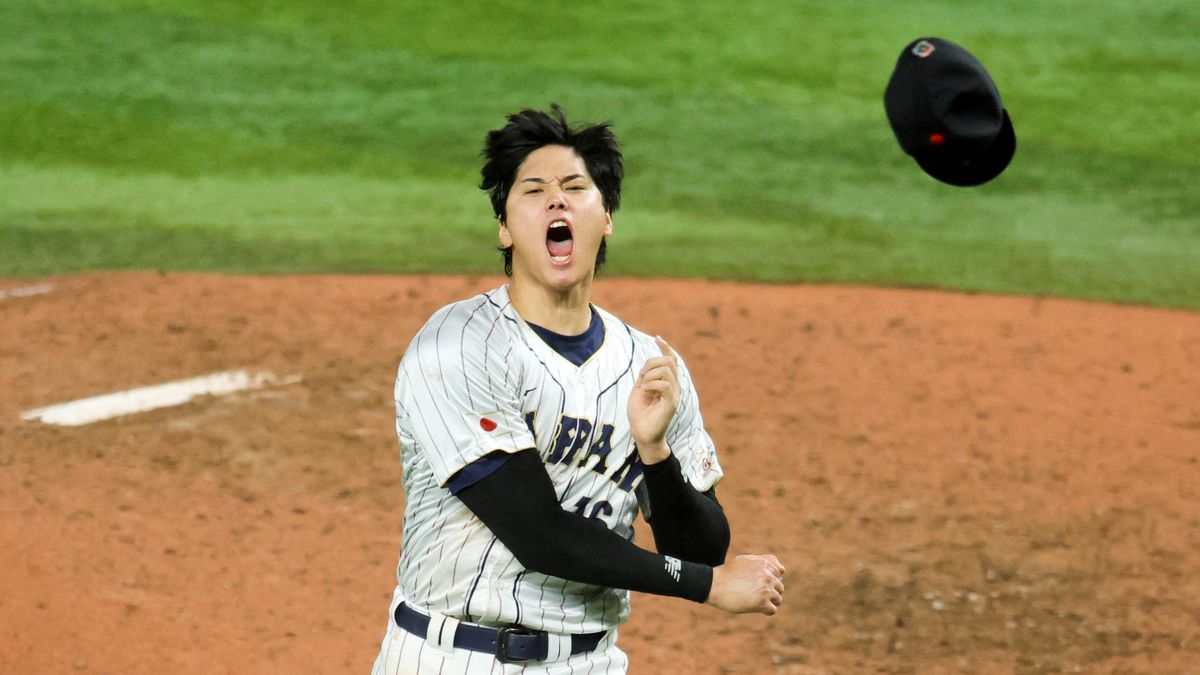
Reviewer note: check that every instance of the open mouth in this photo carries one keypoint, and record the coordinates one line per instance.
(559, 242)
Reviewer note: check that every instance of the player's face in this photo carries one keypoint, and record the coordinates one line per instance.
(556, 219)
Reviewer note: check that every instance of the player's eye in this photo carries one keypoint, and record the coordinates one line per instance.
(533, 191)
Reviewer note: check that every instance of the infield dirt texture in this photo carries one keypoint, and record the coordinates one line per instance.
(956, 483)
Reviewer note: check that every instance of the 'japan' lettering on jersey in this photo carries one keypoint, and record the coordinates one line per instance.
(477, 379)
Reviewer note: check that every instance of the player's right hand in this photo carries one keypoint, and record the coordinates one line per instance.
(748, 583)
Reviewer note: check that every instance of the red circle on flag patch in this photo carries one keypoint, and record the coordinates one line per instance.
(487, 424)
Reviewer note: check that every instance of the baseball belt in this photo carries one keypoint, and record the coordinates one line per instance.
(510, 644)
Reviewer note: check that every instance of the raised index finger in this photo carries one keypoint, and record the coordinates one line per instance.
(665, 348)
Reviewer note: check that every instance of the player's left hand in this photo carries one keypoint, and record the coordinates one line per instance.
(653, 402)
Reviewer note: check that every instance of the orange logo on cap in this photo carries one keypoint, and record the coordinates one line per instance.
(923, 48)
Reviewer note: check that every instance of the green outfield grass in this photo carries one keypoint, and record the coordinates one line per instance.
(298, 135)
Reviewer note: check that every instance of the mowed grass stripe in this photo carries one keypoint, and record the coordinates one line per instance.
(756, 142)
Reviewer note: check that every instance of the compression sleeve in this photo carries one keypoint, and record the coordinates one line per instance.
(686, 524)
(518, 504)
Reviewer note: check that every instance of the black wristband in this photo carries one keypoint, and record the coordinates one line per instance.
(664, 481)
(696, 580)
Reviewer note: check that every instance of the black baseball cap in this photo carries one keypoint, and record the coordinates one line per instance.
(946, 112)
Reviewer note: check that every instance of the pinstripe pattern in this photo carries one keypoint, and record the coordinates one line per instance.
(477, 359)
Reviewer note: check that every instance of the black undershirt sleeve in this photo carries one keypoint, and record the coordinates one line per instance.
(518, 504)
(686, 523)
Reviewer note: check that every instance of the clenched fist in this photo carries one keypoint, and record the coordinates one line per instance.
(748, 583)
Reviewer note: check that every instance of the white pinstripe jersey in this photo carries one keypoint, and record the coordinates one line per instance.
(476, 379)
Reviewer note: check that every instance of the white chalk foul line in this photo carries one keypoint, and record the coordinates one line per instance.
(26, 291)
(97, 408)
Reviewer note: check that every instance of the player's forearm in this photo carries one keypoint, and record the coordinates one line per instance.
(587, 551)
(518, 504)
(686, 523)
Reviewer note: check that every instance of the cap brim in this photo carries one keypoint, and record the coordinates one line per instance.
(977, 169)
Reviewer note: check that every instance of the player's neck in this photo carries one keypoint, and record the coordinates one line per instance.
(566, 312)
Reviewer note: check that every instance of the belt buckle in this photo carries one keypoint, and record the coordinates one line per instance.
(502, 636)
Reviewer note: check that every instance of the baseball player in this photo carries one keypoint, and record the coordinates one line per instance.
(533, 427)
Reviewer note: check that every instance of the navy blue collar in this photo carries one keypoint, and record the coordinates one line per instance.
(575, 348)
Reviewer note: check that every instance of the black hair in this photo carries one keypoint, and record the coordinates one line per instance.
(507, 147)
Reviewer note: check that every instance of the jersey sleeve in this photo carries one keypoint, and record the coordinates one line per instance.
(689, 441)
(457, 391)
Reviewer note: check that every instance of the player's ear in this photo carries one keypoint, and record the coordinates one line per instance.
(607, 223)
(503, 233)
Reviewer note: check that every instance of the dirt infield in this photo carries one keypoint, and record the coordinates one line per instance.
(956, 483)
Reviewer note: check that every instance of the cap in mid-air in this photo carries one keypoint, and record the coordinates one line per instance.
(946, 112)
